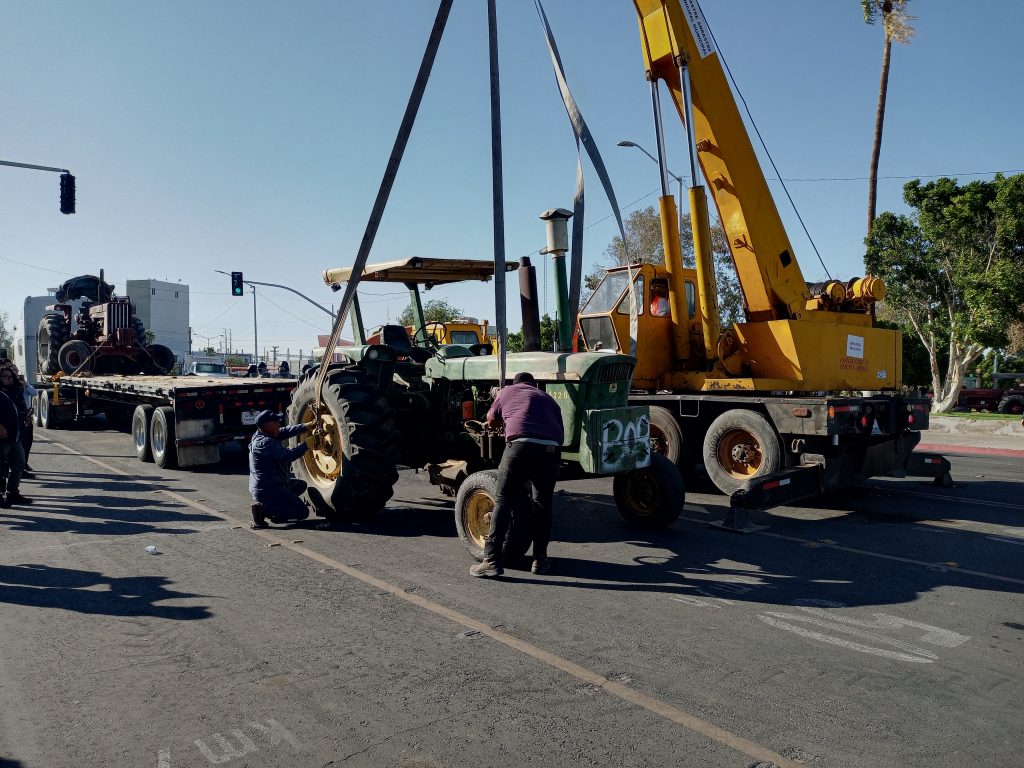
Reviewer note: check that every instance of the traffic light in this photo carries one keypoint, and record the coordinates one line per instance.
(236, 284)
(67, 193)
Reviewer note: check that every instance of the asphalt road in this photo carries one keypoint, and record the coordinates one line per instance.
(881, 627)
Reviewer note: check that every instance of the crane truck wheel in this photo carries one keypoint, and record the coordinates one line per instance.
(163, 358)
(1012, 404)
(351, 474)
(161, 438)
(651, 497)
(142, 421)
(474, 505)
(52, 333)
(667, 439)
(739, 446)
(72, 354)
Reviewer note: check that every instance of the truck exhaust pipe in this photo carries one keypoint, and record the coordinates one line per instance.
(529, 305)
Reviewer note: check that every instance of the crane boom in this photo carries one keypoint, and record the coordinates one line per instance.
(769, 274)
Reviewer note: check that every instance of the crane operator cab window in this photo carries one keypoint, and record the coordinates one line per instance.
(638, 292)
(659, 298)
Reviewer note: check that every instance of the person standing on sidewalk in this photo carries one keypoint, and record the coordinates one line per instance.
(28, 435)
(533, 454)
(12, 461)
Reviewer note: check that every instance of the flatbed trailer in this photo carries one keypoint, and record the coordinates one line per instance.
(176, 421)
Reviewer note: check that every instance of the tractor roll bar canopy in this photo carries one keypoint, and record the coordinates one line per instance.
(421, 270)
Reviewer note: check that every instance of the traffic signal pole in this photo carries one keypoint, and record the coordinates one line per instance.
(67, 182)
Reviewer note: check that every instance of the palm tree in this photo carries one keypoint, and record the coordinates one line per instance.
(896, 25)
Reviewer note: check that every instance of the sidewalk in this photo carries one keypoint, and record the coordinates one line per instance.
(976, 437)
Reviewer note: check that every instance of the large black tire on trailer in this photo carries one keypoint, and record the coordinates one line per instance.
(163, 359)
(52, 333)
(652, 497)
(140, 331)
(72, 355)
(352, 474)
(1012, 404)
(740, 445)
(142, 421)
(474, 505)
(161, 438)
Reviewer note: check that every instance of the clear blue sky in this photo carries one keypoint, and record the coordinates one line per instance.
(253, 135)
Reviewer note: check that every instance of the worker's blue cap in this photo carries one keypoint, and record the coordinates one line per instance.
(264, 416)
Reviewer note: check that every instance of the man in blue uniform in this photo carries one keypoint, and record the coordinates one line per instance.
(273, 489)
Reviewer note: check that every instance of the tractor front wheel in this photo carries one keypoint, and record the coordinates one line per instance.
(350, 474)
(651, 497)
(474, 507)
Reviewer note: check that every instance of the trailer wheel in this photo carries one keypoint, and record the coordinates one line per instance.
(72, 355)
(474, 505)
(141, 426)
(739, 446)
(161, 438)
(52, 333)
(352, 474)
(667, 439)
(1012, 404)
(44, 416)
(651, 497)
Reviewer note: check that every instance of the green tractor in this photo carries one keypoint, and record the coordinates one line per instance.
(410, 401)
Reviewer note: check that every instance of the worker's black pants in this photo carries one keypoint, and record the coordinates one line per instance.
(27, 435)
(522, 465)
(284, 503)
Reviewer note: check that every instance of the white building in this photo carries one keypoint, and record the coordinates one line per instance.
(163, 308)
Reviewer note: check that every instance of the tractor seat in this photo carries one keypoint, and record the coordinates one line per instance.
(396, 337)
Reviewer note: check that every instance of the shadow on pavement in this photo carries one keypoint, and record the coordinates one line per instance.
(43, 586)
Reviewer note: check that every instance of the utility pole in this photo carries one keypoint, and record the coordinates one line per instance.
(273, 352)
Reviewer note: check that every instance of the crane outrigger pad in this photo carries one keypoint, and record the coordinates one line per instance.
(421, 270)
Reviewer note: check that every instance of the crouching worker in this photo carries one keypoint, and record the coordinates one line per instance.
(274, 491)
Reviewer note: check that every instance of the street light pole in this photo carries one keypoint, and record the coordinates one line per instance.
(255, 328)
(679, 179)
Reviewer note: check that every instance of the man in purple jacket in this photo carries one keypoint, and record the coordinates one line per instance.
(533, 453)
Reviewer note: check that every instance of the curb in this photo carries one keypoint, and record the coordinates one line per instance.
(969, 450)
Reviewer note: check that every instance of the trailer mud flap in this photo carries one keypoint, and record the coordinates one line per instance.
(931, 465)
(773, 490)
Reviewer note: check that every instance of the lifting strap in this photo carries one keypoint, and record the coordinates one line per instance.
(583, 135)
(401, 140)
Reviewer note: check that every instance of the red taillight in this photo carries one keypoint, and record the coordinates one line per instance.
(910, 419)
(200, 404)
(864, 421)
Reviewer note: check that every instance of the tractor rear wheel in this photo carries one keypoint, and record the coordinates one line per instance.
(651, 497)
(474, 505)
(72, 355)
(351, 474)
(52, 333)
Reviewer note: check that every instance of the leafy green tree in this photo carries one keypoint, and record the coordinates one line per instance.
(643, 239)
(547, 336)
(896, 26)
(6, 339)
(209, 351)
(150, 336)
(954, 270)
(435, 311)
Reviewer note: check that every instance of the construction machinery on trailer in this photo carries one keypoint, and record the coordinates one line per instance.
(808, 386)
(411, 401)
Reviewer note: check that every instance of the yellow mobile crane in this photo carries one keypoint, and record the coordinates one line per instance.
(760, 398)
